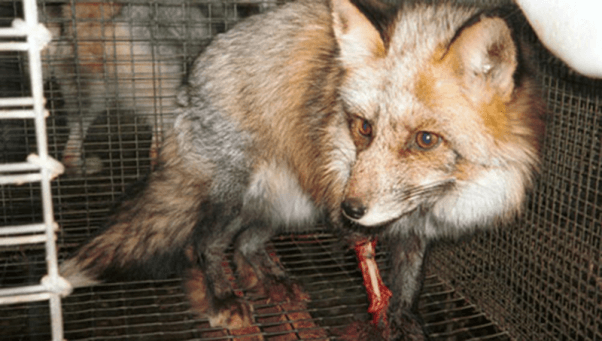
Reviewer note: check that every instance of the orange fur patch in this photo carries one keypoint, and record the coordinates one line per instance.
(437, 87)
(464, 171)
(96, 10)
(440, 86)
(91, 29)
(196, 290)
(495, 117)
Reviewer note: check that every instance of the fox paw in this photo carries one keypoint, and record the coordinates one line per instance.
(406, 327)
(231, 313)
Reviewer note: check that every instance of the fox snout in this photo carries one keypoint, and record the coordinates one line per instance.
(360, 213)
(353, 208)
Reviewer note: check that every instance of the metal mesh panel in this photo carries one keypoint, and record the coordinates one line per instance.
(539, 279)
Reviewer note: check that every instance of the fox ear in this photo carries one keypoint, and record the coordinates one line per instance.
(358, 39)
(485, 56)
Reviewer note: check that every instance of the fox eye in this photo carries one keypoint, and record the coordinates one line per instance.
(427, 140)
(364, 128)
(362, 132)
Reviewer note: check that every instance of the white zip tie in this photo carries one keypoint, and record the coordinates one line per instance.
(59, 285)
(53, 166)
(40, 34)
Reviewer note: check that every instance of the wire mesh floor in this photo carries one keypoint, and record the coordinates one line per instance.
(158, 310)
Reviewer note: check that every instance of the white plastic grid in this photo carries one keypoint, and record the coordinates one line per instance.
(27, 35)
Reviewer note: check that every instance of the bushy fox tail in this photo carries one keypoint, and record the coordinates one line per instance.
(149, 234)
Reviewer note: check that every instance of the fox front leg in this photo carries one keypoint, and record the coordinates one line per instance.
(259, 269)
(406, 277)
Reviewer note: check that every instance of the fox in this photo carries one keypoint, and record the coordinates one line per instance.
(110, 55)
(409, 123)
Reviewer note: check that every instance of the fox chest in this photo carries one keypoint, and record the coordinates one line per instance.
(274, 195)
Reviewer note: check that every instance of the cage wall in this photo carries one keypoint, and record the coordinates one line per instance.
(540, 278)
(111, 76)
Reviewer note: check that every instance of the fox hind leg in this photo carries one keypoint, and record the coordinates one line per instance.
(208, 285)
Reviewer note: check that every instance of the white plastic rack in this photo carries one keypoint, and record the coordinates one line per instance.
(29, 37)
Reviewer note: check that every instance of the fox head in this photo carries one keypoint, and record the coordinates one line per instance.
(444, 120)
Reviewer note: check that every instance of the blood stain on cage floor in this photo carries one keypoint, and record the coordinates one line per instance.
(324, 267)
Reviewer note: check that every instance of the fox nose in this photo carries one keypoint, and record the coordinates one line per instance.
(353, 208)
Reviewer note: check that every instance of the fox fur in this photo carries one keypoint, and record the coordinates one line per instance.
(411, 123)
(111, 55)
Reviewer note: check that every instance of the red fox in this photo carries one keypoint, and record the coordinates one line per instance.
(108, 55)
(411, 123)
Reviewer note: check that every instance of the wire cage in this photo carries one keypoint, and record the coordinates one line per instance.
(110, 76)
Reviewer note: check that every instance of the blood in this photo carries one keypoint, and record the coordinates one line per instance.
(378, 293)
